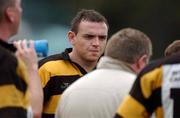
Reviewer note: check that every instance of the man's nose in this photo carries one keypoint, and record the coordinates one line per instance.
(96, 41)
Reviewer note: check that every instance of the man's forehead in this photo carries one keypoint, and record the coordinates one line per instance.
(93, 26)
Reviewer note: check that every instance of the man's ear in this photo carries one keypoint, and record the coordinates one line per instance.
(9, 14)
(71, 37)
(142, 61)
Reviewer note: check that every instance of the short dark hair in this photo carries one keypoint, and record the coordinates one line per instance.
(173, 48)
(86, 15)
(3, 5)
(128, 45)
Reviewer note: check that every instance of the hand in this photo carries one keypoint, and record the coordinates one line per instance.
(27, 54)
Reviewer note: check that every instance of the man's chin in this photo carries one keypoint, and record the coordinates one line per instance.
(93, 59)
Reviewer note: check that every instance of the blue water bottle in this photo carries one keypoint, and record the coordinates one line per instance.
(41, 47)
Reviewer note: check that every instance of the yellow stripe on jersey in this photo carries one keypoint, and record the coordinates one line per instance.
(50, 106)
(21, 71)
(159, 112)
(50, 69)
(128, 111)
(151, 81)
(14, 97)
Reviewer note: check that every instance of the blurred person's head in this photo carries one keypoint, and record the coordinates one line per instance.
(172, 48)
(10, 17)
(88, 35)
(130, 46)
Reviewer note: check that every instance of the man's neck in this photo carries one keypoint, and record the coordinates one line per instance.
(87, 65)
(4, 32)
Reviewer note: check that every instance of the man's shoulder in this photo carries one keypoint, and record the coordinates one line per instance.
(60, 56)
(7, 57)
(108, 73)
(54, 57)
(175, 59)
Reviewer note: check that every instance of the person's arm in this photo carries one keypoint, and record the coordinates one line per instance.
(29, 57)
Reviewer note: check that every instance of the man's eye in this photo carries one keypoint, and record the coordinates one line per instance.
(102, 38)
(89, 36)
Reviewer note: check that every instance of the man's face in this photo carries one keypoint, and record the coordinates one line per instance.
(90, 40)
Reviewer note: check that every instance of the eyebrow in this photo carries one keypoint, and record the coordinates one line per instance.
(94, 35)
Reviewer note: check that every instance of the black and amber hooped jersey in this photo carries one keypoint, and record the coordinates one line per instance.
(57, 72)
(156, 89)
(14, 90)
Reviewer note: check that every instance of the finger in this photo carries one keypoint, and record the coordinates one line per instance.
(19, 50)
(24, 44)
(18, 45)
(15, 44)
(31, 44)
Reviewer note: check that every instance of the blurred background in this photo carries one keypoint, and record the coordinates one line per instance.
(50, 19)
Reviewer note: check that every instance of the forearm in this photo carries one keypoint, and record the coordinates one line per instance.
(36, 92)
